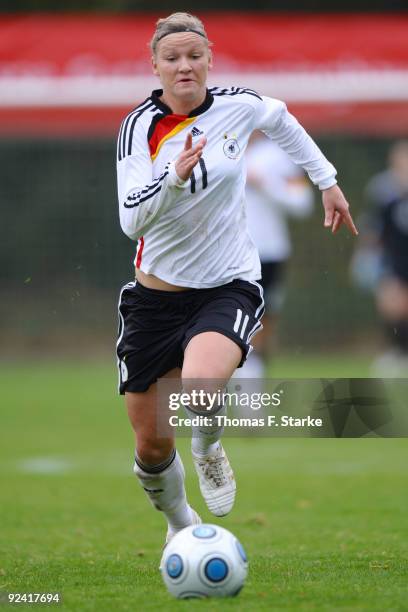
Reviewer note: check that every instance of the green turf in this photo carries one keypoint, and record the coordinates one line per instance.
(324, 521)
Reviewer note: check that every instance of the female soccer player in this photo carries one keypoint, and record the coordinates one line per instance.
(196, 301)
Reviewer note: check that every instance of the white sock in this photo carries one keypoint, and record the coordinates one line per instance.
(164, 485)
(202, 448)
(205, 440)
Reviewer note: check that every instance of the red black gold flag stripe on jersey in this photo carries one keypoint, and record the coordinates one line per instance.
(166, 128)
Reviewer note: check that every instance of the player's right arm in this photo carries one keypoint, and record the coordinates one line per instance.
(143, 198)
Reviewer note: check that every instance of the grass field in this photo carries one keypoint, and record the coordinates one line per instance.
(324, 521)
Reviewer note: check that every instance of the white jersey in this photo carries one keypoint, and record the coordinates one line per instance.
(194, 233)
(277, 190)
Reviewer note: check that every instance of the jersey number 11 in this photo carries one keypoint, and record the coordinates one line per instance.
(193, 180)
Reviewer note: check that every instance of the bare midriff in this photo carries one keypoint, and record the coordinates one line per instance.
(152, 282)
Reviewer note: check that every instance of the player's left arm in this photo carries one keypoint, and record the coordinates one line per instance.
(336, 210)
(274, 119)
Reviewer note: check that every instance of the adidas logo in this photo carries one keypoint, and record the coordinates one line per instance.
(196, 132)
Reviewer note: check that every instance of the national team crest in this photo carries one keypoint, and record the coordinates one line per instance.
(231, 148)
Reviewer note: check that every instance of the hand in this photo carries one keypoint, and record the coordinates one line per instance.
(189, 157)
(336, 210)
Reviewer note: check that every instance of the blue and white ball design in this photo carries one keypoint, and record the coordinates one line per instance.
(204, 561)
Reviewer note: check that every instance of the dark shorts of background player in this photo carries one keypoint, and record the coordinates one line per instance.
(156, 326)
(273, 282)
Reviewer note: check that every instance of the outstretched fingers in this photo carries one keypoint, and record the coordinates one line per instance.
(348, 220)
(343, 217)
(189, 157)
(328, 217)
(337, 221)
(189, 142)
(336, 209)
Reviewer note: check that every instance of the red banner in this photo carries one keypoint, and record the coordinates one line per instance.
(76, 73)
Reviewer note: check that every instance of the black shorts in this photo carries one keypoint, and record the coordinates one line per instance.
(156, 326)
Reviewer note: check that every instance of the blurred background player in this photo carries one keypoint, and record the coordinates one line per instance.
(276, 190)
(380, 263)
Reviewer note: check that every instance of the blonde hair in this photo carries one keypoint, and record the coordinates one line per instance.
(177, 22)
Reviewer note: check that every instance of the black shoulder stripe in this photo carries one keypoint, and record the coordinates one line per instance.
(234, 91)
(218, 91)
(132, 127)
(132, 118)
(126, 134)
(129, 116)
(124, 124)
(251, 92)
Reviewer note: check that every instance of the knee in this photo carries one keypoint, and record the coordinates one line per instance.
(154, 452)
(205, 394)
(204, 374)
(205, 380)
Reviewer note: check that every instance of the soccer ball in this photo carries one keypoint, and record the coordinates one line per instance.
(204, 561)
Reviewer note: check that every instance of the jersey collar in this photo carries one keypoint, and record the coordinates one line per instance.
(209, 99)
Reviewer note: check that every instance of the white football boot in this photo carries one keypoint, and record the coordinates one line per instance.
(195, 520)
(217, 482)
